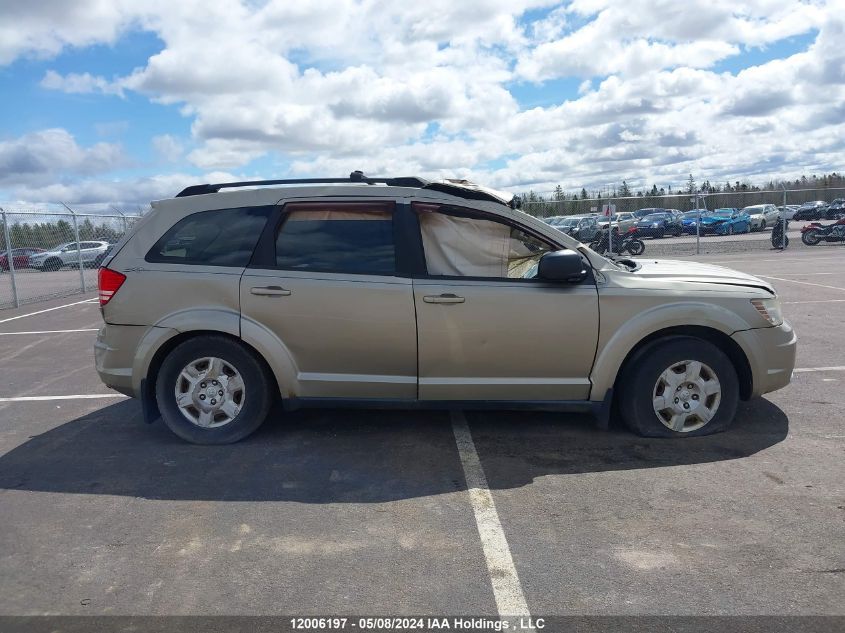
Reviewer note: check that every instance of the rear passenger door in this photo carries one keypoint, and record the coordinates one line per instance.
(324, 281)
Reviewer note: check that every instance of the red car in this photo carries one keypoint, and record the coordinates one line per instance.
(20, 257)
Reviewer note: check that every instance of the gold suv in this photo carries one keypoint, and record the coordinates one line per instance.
(408, 293)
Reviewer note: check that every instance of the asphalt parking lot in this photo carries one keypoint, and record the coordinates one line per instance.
(370, 512)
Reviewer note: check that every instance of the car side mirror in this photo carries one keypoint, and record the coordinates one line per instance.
(565, 265)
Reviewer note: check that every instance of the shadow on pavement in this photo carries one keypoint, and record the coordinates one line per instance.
(350, 456)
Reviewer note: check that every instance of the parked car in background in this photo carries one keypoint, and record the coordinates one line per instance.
(306, 296)
(554, 220)
(725, 221)
(762, 216)
(641, 213)
(689, 221)
(814, 210)
(90, 253)
(788, 211)
(583, 228)
(658, 225)
(835, 210)
(20, 258)
(625, 220)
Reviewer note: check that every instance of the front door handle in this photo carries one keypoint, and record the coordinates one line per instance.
(444, 298)
(270, 291)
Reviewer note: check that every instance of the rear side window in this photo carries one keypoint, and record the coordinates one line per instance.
(224, 237)
(353, 238)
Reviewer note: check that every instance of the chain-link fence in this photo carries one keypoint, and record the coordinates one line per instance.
(44, 255)
(694, 223)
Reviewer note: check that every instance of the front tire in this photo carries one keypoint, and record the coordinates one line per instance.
(213, 390)
(51, 265)
(678, 386)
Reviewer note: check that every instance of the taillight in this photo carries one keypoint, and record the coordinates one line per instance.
(109, 282)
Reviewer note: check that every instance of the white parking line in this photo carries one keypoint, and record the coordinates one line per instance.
(806, 369)
(82, 396)
(815, 301)
(67, 305)
(49, 332)
(507, 590)
(808, 258)
(804, 283)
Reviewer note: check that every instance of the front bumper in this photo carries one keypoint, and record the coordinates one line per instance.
(771, 355)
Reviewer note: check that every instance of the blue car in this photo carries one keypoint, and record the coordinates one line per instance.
(689, 220)
(718, 222)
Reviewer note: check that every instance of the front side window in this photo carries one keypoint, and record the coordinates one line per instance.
(457, 246)
(223, 237)
(352, 238)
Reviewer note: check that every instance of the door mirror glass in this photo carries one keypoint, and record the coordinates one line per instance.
(565, 265)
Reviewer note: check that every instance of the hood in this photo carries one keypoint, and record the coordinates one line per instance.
(710, 219)
(645, 222)
(695, 272)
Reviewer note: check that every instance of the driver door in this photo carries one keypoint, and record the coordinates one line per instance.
(487, 328)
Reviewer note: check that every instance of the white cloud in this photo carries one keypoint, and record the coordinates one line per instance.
(41, 157)
(168, 147)
(80, 83)
(45, 27)
(428, 88)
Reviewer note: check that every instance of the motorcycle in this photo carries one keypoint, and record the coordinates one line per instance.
(779, 240)
(621, 243)
(815, 233)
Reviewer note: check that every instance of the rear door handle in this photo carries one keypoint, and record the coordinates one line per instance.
(270, 291)
(444, 298)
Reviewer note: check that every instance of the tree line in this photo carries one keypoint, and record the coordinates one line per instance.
(711, 195)
(47, 235)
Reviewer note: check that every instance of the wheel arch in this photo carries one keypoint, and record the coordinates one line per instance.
(166, 346)
(718, 338)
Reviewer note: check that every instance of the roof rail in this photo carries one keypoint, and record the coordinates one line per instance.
(354, 177)
(459, 188)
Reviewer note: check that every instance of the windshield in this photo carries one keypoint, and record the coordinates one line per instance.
(690, 215)
(654, 217)
(724, 213)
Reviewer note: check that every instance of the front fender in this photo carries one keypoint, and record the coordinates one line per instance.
(628, 332)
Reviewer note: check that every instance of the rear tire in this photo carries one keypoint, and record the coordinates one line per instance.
(810, 238)
(763, 226)
(636, 247)
(643, 388)
(255, 394)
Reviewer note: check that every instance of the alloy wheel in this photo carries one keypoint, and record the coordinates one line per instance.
(209, 392)
(686, 396)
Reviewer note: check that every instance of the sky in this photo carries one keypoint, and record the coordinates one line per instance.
(113, 103)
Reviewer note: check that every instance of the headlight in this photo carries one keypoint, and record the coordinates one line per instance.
(655, 225)
(769, 309)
